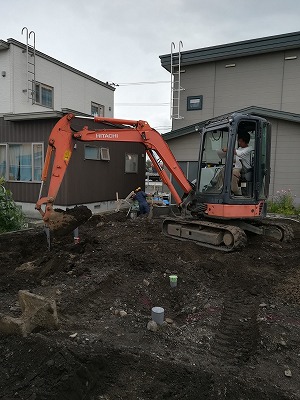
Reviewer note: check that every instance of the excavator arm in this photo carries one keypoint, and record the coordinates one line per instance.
(61, 145)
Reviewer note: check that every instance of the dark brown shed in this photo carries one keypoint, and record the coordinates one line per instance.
(87, 181)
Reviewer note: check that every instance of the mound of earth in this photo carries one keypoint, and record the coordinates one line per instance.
(232, 327)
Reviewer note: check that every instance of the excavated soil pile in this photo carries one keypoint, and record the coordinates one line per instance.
(232, 327)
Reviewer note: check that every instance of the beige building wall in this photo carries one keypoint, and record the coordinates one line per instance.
(271, 80)
(285, 158)
(186, 148)
(291, 83)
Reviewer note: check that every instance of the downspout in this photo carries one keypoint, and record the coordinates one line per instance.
(275, 158)
(280, 108)
(283, 70)
(214, 91)
(11, 78)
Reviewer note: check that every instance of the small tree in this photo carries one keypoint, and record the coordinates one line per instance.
(11, 216)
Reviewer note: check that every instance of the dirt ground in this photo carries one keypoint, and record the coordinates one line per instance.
(233, 321)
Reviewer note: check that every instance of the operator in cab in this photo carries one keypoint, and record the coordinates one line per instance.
(242, 159)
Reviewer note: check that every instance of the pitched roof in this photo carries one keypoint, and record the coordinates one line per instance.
(253, 110)
(244, 48)
(5, 46)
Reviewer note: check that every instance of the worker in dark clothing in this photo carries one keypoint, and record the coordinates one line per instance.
(141, 196)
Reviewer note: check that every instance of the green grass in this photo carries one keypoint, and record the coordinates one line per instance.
(283, 203)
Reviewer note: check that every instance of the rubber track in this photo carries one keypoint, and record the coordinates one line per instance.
(286, 230)
(239, 236)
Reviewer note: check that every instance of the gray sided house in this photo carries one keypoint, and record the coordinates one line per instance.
(36, 90)
(259, 76)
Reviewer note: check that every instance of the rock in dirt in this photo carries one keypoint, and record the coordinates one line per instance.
(37, 311)
(152, 326)
(122, 313)
(288, 373)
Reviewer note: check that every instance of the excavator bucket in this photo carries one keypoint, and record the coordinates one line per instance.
(63, 222)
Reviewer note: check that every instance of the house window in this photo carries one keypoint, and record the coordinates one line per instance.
(43, 95)
(21, 162)
(3, 161)
(104, 154)
(194, 103)
(131, 163)
(96, 153)
(97, 110)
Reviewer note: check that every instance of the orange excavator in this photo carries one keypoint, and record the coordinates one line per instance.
(209, 213)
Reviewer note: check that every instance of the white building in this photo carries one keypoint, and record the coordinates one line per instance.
(33, 82)
(36, 90)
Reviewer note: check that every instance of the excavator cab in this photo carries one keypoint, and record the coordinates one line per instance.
(219, 170)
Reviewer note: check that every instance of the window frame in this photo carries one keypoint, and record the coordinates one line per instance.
(189, 101)
(104, 154)
(38, 98)
(100, 109)
(100, 156)
(130, 170)
(5, 151)
(33, 165)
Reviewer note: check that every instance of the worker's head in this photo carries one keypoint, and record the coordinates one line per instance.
(243, 139)
(138, 189)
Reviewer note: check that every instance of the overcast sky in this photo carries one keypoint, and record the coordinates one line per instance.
(120, 41)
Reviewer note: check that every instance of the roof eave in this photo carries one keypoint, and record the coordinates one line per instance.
(245, 48)
(43, 115)
(31, 116)
(3, 45)
(61, 64)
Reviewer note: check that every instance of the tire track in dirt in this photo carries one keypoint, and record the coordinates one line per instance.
(238, 335)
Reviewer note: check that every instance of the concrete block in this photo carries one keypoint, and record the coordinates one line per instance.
(10, 325)
(37, 311)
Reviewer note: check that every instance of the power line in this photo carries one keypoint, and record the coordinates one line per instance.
(143, 104)
(137, 83)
